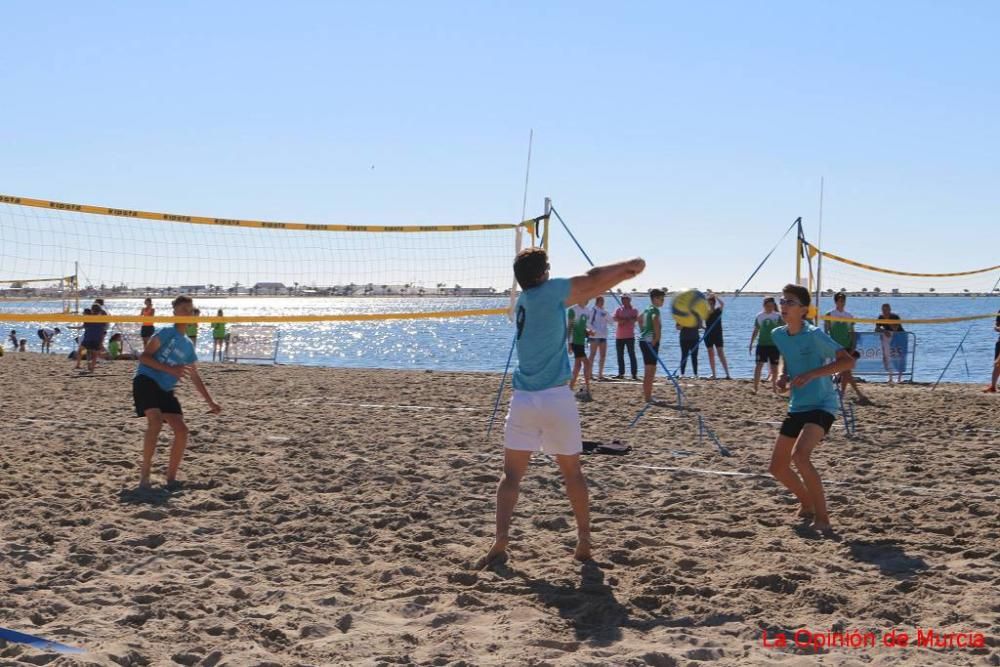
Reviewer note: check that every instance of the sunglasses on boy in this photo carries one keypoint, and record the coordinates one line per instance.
(789, 302)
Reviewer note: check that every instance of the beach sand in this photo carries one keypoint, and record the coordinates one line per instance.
(321, 525)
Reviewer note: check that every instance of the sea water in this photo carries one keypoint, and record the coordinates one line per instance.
(483, 343)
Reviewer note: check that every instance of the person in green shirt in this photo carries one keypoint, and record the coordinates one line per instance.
(649, 342)
(192, 329)
(843, 333)
(577, 330)
(767, 353)
(218, 337)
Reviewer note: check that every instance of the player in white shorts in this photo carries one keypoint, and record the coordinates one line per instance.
(543, 414)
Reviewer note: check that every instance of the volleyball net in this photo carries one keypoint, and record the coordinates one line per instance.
(966, 295)
(322, 272)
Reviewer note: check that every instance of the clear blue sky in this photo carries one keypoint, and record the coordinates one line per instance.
(690, 133)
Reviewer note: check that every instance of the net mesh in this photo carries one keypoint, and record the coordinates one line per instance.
(122, 255)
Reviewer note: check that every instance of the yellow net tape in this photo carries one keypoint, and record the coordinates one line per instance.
(258, 319)
(813, 250)
(64, 279)
(934, 320)
(232, 222)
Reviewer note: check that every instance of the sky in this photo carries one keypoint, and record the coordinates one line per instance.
(691, 134)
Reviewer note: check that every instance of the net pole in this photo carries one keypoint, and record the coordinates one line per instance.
(819, 259)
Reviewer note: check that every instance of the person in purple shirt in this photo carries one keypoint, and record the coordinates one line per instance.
(625, 318)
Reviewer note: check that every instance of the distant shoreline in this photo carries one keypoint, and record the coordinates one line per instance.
(499, 295)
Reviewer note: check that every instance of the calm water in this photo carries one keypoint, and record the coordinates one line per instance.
(482, 344)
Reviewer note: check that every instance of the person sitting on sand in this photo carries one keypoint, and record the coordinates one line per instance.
(115, 347)
(23, 347)
(806, 352)
(169, 357)
(543, 414)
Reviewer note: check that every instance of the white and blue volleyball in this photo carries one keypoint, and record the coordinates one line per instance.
(690, 308)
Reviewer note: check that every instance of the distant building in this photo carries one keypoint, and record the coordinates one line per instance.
(269, 288)
(191, 289)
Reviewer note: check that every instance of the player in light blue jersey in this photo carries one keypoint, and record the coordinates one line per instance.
(543, 414)
(810, 357)
(168, 357)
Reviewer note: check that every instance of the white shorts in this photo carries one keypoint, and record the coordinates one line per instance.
(546, 421)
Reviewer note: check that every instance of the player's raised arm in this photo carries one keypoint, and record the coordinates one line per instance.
(600, 279)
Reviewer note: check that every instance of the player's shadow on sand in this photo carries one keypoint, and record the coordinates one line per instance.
(137, 496)
(891, 559)
(590, 606)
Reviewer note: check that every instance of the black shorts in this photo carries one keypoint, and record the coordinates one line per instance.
(794, 422)
(148, 395)
(713, 340)
(996, 350)
(768, 353)
(579, 351)
(147, 331)
(649, 352)
(92, 345)
(41, 334)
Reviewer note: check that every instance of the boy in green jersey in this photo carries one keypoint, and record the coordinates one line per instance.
(843, 333)
(218, 337)
(577, 319)
(765, 322)
(649, 341)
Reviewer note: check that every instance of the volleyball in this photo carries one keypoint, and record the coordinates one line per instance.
(690, 308)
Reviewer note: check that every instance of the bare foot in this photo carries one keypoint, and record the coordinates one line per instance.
(821, 526)
(497, 552)
(805, 512)
(583, 545)
(144, 484)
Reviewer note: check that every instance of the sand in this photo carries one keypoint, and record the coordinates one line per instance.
(319, 525)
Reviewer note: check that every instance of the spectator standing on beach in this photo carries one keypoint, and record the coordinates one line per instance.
(218, 337)
(576, 331)
(888, 330)
(13, 340)
(148, 327)
(625, 318)
(689, 347)
(47, 335)
(650, 332)
(543, 415)
(843, 333)
(713, 333)
(599, 338)
(93, 340)
(192, 329)
(764, 324)
(168, 358)
(992, 389)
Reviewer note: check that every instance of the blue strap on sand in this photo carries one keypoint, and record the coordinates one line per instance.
(503, 381)
(37, 642)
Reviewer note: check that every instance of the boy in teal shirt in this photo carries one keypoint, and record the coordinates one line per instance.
(807, 353)
(543, 415)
